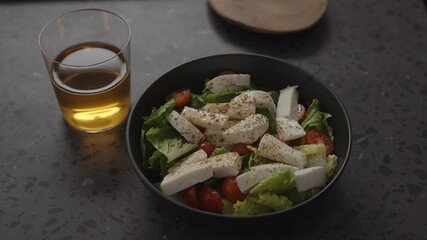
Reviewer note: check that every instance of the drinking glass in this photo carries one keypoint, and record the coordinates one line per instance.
(87, 55)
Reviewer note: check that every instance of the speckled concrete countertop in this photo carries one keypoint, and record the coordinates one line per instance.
(57, 184)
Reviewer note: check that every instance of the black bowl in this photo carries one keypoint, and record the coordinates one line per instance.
(266, 72)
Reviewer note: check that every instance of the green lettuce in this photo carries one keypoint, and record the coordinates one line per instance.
(222, 97)
(196, 101)
(268, 195)
(169, 142)
(227, 207)
(245, 163)
(159, 162)
(331, 162)
(158, 117)
(278, 183)
(271, 116)
(213, 182)
(207, 89)
(315, 153)
(315, 119)
(276, 202)
(250, 207)
(261, 203)
(143, 149)
(255, 159)
(295, 196)
(219, 151)
(274, 95)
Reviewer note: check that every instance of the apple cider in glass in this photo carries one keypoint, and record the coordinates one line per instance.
(92, 98)
(87, 55)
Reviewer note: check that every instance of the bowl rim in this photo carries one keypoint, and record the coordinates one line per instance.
(178, 204)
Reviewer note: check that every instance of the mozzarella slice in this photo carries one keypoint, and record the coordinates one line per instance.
(225, 165)
(287, 105)
(185, 128)
(229, 83)
(289, 129)
(221, 108)
(247, 131)
(309, 178)
(242, 106)
(249, 179)
(197, 156)
(261, 99)
(215, 135)
(233, 109)
(272, 148)
(186, 176)
(204, 119)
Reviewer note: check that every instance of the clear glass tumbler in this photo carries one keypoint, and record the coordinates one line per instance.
(87, 55)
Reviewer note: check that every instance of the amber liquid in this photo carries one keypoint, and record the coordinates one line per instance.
(94, 98)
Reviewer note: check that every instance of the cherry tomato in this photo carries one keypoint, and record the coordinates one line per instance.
(316, 137)
(301, 113)
(226, 72)
(210, 200)
(240, 148)
(231, 190)
(181, 96)
(293, 143)
(208, 147)
(191, 197)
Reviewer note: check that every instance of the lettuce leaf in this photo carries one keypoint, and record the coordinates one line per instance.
(274, 95)
(331, 161)
(144, 144)
(276, 202)
(315, 153)
(245, 163)
(159, 162)
(271, 116)
(222, 97)
(158, 117)
(267, 195)
(169, 142)
(278, 183)
(255, 159)
(295, 196)
(219, 151)
(213, 182)
(206, 90)
(227, 207)
(261, 203)
(196, 101)
(249, 207)
(315, 119)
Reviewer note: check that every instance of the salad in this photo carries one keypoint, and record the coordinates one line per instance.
(236, 149)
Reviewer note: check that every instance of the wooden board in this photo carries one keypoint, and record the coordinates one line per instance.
(270, 16)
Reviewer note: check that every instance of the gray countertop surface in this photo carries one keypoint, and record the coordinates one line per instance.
(59, 184)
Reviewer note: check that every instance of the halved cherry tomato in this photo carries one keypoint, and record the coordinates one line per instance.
(240, 148)
(301, 113)
(226, 72)
(208, 147)
(191, 197)
(231, 190)
(210, 200)
(316, 137)
(181, 96)
(293, 143)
